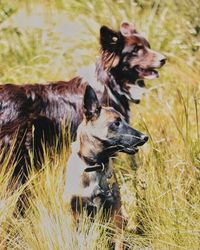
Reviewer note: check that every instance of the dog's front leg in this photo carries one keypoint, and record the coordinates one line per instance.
(118, 221)
(117, 218)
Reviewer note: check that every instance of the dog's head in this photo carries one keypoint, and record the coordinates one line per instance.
(127, 54)
(104, 131)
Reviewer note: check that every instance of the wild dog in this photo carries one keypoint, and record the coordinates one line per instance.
(126, 59)
(102, 133)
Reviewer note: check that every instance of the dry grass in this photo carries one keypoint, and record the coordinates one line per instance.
(49, 40)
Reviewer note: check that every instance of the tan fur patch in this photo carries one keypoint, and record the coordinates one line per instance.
(85, 180)
(96, 128)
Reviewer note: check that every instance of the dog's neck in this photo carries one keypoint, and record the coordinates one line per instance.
(93, 165)
(114, 81)
(90, 163)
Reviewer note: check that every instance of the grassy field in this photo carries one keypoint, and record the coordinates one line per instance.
(49, 40)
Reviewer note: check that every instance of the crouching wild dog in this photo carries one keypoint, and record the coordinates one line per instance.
(102, 133)
(126, 59)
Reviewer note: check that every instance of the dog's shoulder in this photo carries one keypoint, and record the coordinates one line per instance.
(88, 75)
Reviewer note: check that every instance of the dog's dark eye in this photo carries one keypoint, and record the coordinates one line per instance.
(117, 123)
(136, 48)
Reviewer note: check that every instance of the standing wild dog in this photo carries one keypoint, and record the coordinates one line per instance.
(126, 59)
(102, 133)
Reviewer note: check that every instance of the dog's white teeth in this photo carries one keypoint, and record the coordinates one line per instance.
(151, 77)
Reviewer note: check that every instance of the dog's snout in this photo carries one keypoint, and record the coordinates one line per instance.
(143, 139)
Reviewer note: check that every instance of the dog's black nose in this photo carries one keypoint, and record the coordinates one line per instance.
(163, 61)
(144, 138)
(136, 101)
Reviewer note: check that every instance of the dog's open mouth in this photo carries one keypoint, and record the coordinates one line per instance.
(149, 73)
(130, 150)
(133, 148)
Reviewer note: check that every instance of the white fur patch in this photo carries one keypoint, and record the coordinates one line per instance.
(112, 96)
(136, 92)
(73, 179)
(88, 74)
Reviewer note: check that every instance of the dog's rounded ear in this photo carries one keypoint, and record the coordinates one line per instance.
(105, 100)
(110, 40)
(91, 105)
(127, 29)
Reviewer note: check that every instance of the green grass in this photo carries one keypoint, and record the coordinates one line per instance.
(49, 40)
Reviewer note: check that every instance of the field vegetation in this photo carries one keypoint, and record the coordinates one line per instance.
(49, 40)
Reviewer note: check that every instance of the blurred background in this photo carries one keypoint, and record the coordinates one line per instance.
(50, 40)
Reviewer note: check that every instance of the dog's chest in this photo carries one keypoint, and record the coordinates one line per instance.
(89, 183)
(82, 184)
